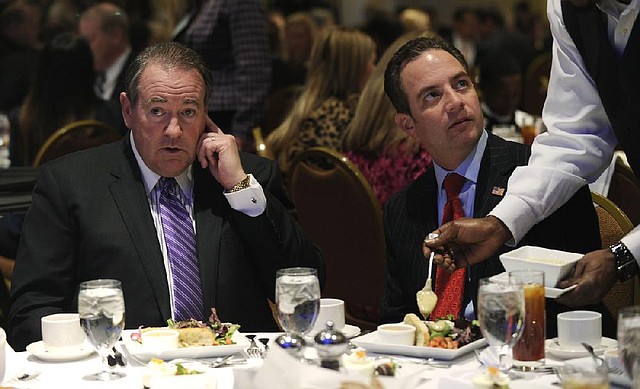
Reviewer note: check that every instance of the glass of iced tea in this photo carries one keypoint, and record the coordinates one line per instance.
(528, 353)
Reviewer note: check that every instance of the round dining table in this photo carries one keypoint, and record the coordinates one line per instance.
(36, 373)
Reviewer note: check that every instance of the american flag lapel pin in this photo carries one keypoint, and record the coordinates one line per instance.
(497, 191)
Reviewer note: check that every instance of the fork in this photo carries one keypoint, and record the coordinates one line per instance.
(254, 351)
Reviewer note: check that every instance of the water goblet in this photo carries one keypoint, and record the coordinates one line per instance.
(501, 312)
(629, 338)
(101, 310)
(298, 302)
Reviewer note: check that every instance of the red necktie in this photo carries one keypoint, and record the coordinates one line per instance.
(450, 286)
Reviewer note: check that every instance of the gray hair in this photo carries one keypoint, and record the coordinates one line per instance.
(168, 55)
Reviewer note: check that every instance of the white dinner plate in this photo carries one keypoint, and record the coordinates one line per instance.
(371, 342)
(137, 351)
(553, 347)
(38, 350)
(503, 278)
(587, 362)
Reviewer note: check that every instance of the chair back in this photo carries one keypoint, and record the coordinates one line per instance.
(340, 213)
(624, 191)
(614, 225)
(76, 136)
(261, 147)
(535, 84)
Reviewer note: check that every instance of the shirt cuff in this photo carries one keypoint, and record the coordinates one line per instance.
(251, 201)
(632, 241)
(513, 212)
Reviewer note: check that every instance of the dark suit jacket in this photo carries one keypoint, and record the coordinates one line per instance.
(90, 219)
(412, 213)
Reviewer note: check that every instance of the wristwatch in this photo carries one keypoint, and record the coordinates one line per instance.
(244, 184)
(626, 264)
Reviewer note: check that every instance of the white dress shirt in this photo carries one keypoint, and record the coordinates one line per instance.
(111, 76)
(579, 141)
(250, 201)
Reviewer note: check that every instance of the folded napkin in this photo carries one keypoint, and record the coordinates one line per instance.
(281, 370)
(490, 357)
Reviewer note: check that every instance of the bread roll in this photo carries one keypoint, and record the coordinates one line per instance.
(422, 332)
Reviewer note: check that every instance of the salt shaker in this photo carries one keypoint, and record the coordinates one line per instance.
(330, 344)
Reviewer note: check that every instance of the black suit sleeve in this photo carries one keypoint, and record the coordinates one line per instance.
(274, 238)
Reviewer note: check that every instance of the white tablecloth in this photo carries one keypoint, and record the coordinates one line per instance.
(69, 374)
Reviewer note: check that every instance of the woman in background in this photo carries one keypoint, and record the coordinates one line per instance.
(61, 92)
(340, 64)
(385, 154)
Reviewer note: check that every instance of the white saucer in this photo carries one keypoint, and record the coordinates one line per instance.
(503, 278)
(348, 330)
(38, 350)
(553, 347)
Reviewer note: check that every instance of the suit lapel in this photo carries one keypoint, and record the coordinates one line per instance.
(129, 195)
(498, 162)
(209, 203)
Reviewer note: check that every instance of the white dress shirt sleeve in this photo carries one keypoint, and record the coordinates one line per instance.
(251, 201)
(576, 148)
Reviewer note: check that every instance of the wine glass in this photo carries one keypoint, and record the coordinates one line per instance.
(629, 338)
(297, 299)
(101, 309)
(501, 312)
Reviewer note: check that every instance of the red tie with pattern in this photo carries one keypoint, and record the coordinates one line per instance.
(450, 286)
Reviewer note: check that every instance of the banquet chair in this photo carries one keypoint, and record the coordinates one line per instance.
(535, 84)
(624, 191)
(339, 211)
(261, 147)
(614, 224)
(76, 136)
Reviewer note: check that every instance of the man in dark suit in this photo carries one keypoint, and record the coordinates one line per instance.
(100, 214)
(436, 102)
(106, 27)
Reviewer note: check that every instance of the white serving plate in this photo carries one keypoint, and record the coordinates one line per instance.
(503, 278)
(138, 352)
(371, 342)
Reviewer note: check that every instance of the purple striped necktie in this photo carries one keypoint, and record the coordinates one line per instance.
(181, 250)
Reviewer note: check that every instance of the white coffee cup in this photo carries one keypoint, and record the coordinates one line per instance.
(330, 309)
(577, 327)
(62, 332)
(397, 333)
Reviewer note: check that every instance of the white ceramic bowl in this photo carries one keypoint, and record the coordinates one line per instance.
(397, 333)
(160, 339)
(554, 263)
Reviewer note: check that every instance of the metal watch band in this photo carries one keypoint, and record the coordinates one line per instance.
(626, 264)
(244, 184)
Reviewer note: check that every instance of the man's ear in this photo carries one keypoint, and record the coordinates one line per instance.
(405, 122)
(126, 109)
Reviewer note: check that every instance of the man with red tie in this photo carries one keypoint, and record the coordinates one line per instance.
(428, 83)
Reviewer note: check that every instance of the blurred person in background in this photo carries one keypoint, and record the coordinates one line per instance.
(231, 37)
(387, 156)
(300, 33)
(413, 19)
(61, 92)
(341, 62)
(500, 86)
(19, 46)
(464, 33)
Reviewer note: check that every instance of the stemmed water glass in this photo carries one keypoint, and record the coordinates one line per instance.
(101, 310)
(501, 313)
(298, 301)
(629, 340)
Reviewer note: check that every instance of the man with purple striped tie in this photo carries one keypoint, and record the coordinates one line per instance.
(174, 211)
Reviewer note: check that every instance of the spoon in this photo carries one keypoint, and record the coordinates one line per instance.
(597, 359)
(426, 298)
